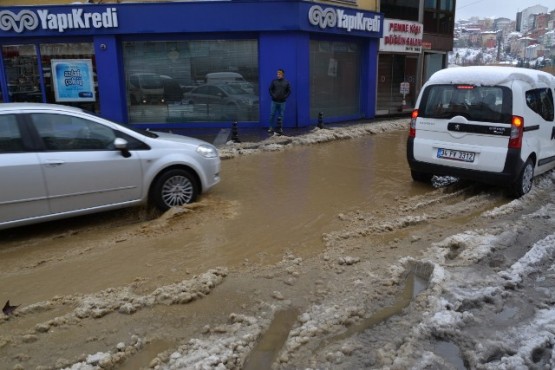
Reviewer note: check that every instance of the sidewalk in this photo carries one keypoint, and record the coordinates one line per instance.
(220, 136)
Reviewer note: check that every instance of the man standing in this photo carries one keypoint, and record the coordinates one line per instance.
(280, 89)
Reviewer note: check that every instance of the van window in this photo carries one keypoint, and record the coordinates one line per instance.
(541, 102)
(476, 103)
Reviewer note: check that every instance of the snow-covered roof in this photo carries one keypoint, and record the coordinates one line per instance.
(491, 75)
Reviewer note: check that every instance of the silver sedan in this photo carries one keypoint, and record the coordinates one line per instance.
(58, 161)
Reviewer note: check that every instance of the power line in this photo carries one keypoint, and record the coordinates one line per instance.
(467, 5)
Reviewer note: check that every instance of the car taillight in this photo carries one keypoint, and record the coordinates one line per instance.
(517, 127)
(413, 117)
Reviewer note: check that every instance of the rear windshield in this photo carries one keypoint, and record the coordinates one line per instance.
(476, 103)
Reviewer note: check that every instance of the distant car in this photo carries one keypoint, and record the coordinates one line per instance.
(146, 88)
(230, 77)
(227, 99)
(58, 161)
(484, 123)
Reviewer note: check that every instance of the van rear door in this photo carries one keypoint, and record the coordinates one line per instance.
(465, 126)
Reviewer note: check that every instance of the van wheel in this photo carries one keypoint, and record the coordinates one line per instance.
(420, 176)
(523, 183)
(174, 188)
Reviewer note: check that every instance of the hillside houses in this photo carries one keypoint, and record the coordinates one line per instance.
(528, 39)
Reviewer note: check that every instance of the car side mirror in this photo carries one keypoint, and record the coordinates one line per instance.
(121, 145)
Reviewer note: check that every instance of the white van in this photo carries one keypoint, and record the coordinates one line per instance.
(235, 78)
(488, 124)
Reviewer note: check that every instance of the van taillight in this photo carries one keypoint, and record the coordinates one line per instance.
(413, 117)
(517, 127)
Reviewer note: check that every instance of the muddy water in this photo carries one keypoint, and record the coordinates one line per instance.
(267, 204)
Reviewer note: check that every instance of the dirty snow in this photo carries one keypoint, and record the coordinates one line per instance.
(487, 294)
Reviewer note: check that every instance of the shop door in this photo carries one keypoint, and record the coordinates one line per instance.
(391, 72)
(411, 64)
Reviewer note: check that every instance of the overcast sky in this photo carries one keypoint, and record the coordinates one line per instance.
(495, 9)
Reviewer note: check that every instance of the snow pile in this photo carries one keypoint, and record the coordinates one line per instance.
(317, 135)
(226, 347)
(473, 299)
(107, 360)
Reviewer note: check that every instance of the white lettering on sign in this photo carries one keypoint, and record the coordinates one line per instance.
(402, 36)
(27, 20)
(329, 17)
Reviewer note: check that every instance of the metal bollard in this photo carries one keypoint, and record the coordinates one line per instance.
(320, 120)
(234, 133)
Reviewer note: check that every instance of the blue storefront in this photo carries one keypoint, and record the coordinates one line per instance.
(193, 64)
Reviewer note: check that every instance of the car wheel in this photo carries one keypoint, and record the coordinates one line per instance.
(420, 176)
(174, 188)
(523, 183)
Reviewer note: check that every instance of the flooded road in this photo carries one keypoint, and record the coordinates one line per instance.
(307, 246)
(267, 204)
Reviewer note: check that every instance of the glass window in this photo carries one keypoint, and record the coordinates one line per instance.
(541, 102)
(334, 78)
(10, 136)
(63, 132)
(448, 5)
(439, 16)
(199, 80)
(77, 51)
(400, 9)
(476, 103)
(22, 73)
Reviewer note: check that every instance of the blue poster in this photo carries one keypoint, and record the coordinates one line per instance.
(73, 80)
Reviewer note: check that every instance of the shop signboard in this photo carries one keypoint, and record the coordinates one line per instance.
(73, 80)
(402, 36)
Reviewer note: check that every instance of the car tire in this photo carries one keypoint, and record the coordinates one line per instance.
(174, 188)
(421, 177)
(523, 183)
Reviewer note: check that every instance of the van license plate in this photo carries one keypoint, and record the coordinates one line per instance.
(457, 155)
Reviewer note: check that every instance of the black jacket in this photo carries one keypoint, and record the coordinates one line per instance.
(280, 89)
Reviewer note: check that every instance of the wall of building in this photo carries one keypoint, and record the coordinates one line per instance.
(126, 39)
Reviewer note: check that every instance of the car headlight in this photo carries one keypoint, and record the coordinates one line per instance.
(207, 151)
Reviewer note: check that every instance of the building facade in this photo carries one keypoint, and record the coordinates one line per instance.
(194, 64)
(421, 34)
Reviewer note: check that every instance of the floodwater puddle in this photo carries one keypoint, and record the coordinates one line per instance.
(266, 350)
(450, 353)
(414, 285)
(506, 314)
(146, 354)
(416, 281)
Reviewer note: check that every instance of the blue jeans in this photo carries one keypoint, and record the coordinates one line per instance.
(276, 109)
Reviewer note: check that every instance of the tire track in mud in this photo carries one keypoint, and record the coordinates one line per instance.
(469, 287)
(69, 312)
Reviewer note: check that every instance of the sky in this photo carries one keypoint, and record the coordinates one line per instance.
(495, 9)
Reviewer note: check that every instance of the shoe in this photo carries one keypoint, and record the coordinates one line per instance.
(270, 130)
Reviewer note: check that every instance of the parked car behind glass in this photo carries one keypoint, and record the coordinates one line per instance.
(146, 88)
(229, 100)
(58, 161)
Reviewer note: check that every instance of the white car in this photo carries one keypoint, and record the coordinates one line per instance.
(488, 124)
(58, 161)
